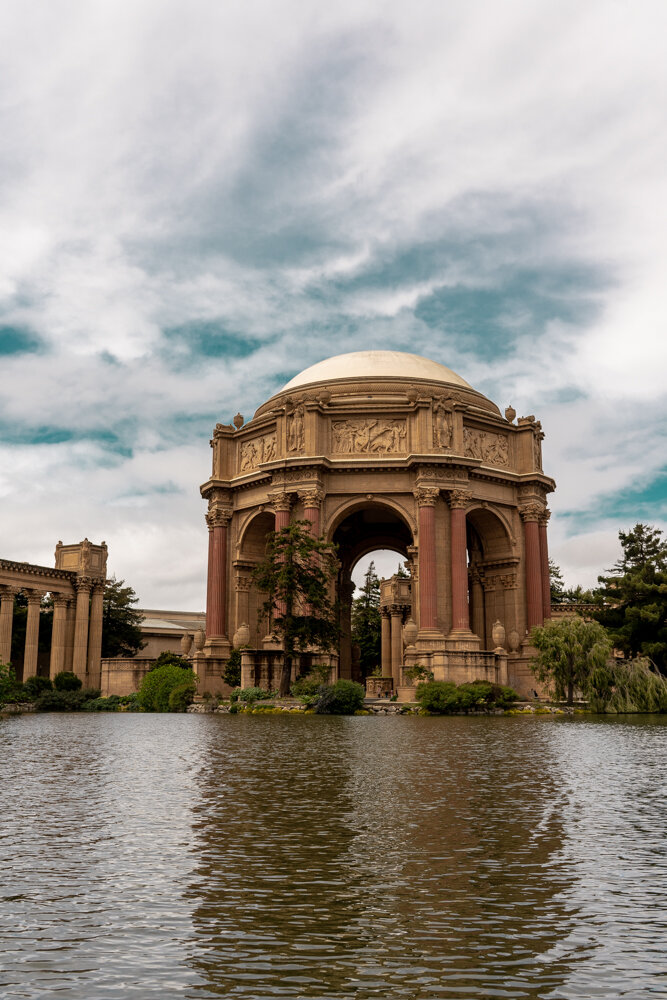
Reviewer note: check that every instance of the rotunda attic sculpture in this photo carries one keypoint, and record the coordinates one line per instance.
(384, 449)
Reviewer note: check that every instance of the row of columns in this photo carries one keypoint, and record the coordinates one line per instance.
(76, 639)
(538, 597)
(392, 639)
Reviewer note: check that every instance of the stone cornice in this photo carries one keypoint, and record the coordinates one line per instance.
(32, 570)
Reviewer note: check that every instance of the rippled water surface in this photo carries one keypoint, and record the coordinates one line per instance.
(325, 857)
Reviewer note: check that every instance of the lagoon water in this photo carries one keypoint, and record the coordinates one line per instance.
(305, 856)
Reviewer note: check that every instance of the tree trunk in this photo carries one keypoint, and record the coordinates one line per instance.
(570, 692)
(285, 676)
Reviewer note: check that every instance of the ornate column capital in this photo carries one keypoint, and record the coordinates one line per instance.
(531, 511)
(426, 496)
(281, 501)
(242, 583)
(311, 497)
(544, 517)
(60, 600)
(384, 611)
(82, 583)
(218, 517)
(459, 498)
(8, 591)
(33, 596)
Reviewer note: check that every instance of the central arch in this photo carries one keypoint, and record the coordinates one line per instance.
(363, 527)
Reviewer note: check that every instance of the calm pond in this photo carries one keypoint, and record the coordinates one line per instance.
(309, 856)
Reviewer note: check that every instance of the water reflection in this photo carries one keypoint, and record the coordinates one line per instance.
(332, 858)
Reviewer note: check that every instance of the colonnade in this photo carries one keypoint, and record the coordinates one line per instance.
(76, 639)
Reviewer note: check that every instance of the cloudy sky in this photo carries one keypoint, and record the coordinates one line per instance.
(199, 200)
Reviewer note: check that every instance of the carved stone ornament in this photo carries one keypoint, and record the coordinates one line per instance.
(60, 600)
(459, 498)
(410, 632)
(82, 583)
(531, 511)
(200, 639)
(544, 517)
(498, 634)
(218, 517)
(486, 446)
(242, 636)
(295, 432)
(281, 501)
(186, 643)
(513, 640)
(426, 496)
(242, 584)
(311, 498)
(442, 424)
(359, 436)
(258, 450)
(537, 451)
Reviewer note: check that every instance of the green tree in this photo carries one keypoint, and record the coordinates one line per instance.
(121, 632)
(157, 686)
(173, 659)
(568, 651)
(557, 586)
(366, 621)
(296, 575)
(634, 596)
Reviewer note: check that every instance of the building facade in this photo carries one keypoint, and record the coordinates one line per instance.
(386, 450)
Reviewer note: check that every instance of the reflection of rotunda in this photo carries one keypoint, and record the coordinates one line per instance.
(381, 449)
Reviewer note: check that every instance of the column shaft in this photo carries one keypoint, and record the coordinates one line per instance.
(6, 623)
(534, 598)
(460, 614)
(428, 602)
(58, 636)
(544, 560)
(95, 636)
(80, 658)
(210, 575)
(386, 643)
(32, 635)
(396, 646)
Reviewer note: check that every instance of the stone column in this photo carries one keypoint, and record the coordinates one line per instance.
(427, 497)
(95, 635)
(396, 643)
(478, 609)
(458, 500)
(530, 514)
(7, 595)
(544, 559)
(218, 519)
(282, 504)
(312, 501)
(80, 658)
(386, 642)
(31, 633)
(59, 635)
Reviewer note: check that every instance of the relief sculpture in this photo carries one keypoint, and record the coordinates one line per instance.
(257, 451)
(386, 437)
(295, 429)
(442, 425)
(486, 446)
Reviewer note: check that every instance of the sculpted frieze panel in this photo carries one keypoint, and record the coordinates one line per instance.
(486, 446)
(442, 423)
(257, 450)
(356, 436)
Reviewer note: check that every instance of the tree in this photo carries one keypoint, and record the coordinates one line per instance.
(158, 685)
(634, 596)
(568, 652)
(557, 585)
(121, 632)
(296, 575)
(366, 621)
(172, 659)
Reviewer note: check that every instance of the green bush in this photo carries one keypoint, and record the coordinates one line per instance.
(306, 686)
(10, 689)
(158, 684)
(67, 681)
(110, 704)
(33, 686)
(232, 671)
(255, 694)
(627, 686)
(181, 696)
(169, 659)
(342, 698)
(443, 697)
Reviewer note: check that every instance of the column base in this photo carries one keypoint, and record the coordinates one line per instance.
(462, 639)
(217, 647)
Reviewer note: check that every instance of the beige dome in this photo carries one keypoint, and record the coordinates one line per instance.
(376, 364)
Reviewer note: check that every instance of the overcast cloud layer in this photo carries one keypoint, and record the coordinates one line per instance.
(197, 201)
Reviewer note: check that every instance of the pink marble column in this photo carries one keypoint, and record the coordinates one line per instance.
(544, 561)
(458, 501)
(530, 513)
(427, 497)
(216, 610)
(282, 504)
(312, 500)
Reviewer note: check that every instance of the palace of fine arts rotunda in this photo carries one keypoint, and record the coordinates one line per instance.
(385, 450)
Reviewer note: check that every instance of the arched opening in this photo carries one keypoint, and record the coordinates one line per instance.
(367, 529)
(491, 574)
(252, 550)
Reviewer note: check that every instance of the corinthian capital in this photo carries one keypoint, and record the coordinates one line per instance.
(426, 496)
(459, 498)
(281, 501)
(218, 517)
(531, 511)
(544, 517)
(311, 498)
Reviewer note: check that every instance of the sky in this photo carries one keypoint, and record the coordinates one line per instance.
(199, 200)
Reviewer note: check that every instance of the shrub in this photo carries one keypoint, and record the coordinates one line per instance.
(110, 704)
(234, 696)
(169, 659)
(252, 694)
(306, 686)
(181, 696)
(10, 689)
(232, 671)
(67, 681)
(33, 686)
(158, 684)
(442, 697)
(418, 673)
(66, 701)
(342, 698)
(437, 696)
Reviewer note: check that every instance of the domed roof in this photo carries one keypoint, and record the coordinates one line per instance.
(376, 364)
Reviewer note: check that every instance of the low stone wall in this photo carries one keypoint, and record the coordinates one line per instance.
(123, 675)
